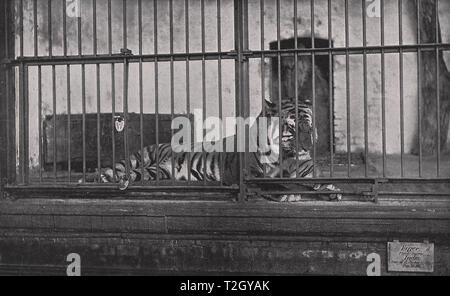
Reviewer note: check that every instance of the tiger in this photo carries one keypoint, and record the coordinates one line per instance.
(160, 162)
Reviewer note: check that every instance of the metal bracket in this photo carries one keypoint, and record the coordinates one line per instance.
(373, 195)
(126, 52)
(242, 57)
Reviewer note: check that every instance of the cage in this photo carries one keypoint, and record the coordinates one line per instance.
(91, 82)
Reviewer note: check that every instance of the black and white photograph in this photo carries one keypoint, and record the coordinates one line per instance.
(224, 138)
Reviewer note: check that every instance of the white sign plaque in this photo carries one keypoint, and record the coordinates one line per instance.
(410, 257)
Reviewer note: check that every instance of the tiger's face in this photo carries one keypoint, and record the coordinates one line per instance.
(291, 130)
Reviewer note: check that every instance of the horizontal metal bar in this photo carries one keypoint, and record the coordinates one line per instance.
(362, 193)
(414, 193)
(108, 188)
(333, 52)
(118, 58)
(347, 180)
(112, 186)
(351, 49)
(304, 192)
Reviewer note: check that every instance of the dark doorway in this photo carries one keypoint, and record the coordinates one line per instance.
(305, 94)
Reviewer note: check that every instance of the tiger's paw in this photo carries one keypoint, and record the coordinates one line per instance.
(124, 183)
(286, 198)
(283, 198)
(334, 194)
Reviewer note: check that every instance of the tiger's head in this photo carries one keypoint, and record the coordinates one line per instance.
(291, 130)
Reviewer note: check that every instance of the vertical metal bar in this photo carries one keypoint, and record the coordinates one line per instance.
(83, 107)
(239, 86)
(263, 72)
(330, 88)
(383, 89)
(21, 19)
(438, 102)
(419, 87)
(64, 13)
(41, 158)
(55, 147)
(50, 31)
(246, 90)
(10, 95)
(172, 87)
(26, 118)
(188, 111)
(22, 103)
(155, 28)
(4, 108)
(141, 95)
(69, 125)
(125, 30)
(94, 26)
(109, 28)
(219, 87)
(23, 128)
(35, 29)
(6, 18)
(80, 40)
(246, 83)
(297, 126)
(113, 118)
(140, 26)
(98, 84)
(21, 124)
(202, 12)
(113, 94)
(10, 174)
(10, 123)
(69, 133)
(125, 94)
(313, 73)
(50, 53)
(99, 134)
(402, 114)
(36, 53)
(280, 135)
(366, 105)
(347, 87)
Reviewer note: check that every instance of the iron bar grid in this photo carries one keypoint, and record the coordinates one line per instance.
(241, 54)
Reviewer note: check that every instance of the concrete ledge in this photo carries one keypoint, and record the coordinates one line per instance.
(181, 237)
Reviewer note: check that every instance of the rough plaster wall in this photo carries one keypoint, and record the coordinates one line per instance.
(287, 15)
